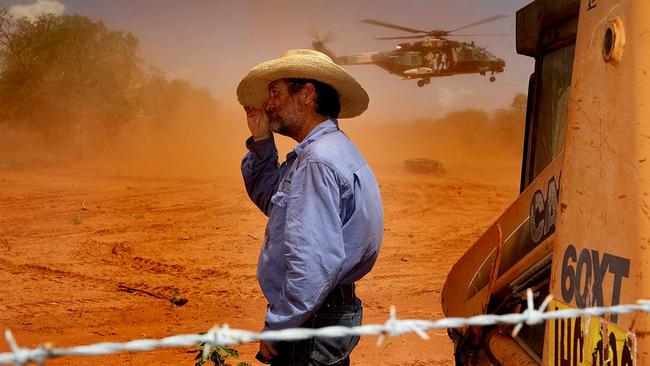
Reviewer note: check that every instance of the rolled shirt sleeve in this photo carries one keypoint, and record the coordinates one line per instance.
(313, 245)
(261, 172)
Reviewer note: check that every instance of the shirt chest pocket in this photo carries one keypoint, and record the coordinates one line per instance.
(275, 226)
(280, 197)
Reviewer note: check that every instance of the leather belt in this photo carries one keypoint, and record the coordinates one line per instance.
(341, 295)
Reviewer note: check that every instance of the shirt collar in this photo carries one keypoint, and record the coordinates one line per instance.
(322, 129)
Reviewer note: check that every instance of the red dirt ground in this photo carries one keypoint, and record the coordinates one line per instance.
(69, 237)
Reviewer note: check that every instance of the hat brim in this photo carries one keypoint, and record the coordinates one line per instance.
(253, 89)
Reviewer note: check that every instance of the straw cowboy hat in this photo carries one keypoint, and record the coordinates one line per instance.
(305, 64)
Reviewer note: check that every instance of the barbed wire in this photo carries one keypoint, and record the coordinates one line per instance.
(225, 336)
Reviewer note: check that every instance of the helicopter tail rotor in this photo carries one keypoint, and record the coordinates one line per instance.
(329, 36)
(318, 43)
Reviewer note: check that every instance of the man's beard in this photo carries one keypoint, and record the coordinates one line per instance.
(281, 126)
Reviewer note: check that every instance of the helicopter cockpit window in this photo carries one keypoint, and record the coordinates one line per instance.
(551, 118)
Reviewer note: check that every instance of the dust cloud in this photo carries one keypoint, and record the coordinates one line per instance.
(196, 141)
(471, 144)
(194, 148)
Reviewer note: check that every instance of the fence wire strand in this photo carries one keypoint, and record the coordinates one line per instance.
(225, 336)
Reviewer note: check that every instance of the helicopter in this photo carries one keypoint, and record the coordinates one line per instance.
(434, 56)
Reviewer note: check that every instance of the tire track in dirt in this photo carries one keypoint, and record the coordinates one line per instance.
(32, 309)
(141, 193)
(51, 273)
(144, 265)
(39, 272)
(121, 256)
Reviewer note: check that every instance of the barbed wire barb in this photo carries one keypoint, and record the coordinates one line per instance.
(533, 316)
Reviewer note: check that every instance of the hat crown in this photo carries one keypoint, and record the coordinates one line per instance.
(307, 52)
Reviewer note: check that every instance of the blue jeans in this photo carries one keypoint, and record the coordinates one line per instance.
(323, 351)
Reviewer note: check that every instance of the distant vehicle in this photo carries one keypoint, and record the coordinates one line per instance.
(424, 166)
(435, 56)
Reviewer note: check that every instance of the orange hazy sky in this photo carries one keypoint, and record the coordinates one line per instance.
(214, 43)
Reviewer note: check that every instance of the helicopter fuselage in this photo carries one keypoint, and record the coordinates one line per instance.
(426, 59)
(415, 61)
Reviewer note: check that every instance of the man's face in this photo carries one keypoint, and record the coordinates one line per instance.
(285, 110)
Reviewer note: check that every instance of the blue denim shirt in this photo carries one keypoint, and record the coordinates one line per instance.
(325, 220)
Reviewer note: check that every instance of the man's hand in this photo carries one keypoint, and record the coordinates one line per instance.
(258, 123)
(266, 352)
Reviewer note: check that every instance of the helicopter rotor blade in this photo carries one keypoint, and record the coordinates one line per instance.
(482, 21)
(402, 37)
(393, 26)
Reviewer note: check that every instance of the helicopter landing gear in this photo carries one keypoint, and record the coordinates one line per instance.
(423, 82)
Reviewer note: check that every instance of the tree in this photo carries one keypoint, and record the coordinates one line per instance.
(69, 81)
(510, 121)
(62, 72)
(519, 102)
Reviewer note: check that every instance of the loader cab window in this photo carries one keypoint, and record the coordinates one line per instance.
(553, 105)
(548, 100)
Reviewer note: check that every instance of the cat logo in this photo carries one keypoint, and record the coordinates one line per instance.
(543, 212)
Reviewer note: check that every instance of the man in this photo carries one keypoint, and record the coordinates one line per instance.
(325, 213)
